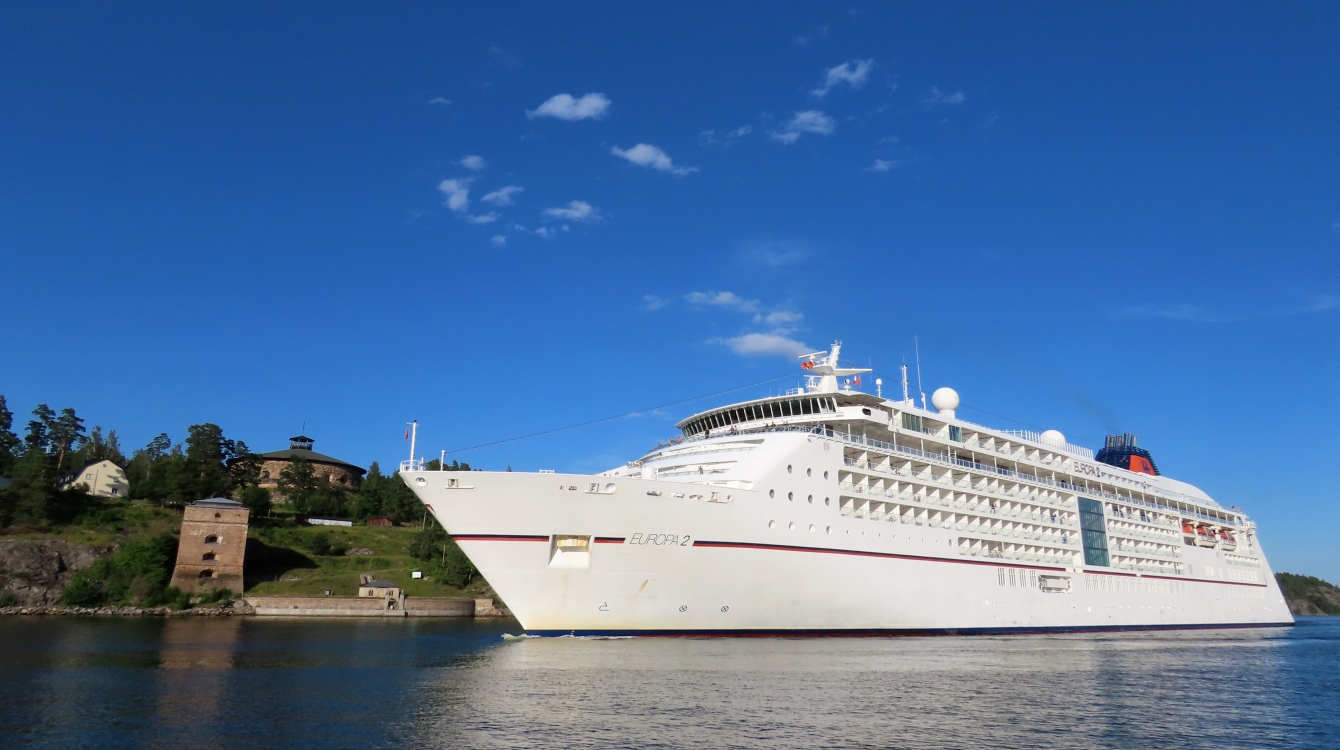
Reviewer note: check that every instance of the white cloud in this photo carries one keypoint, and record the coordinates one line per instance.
(647, 155)
(473, 162)
(853, 73)
(565, 107)
(439, 100)
(502, 196)
(457, 192)
(940, 97)
(762, 344)
(779, 317)
(741, 131)
(499, 240)
(809, 121)
(652, 302)
(729, 300)
(487, 218)
(574, 211)
(881, 165)
(709, 137)
(1198, 314)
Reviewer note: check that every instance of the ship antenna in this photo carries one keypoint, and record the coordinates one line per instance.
(905, 398)
(917, 344)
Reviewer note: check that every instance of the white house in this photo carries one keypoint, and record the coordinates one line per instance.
(103, 479)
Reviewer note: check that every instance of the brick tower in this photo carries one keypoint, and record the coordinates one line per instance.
(213, 545)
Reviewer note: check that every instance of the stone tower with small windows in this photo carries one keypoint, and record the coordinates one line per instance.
(213, 546)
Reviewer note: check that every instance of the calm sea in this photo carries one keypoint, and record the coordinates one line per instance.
(238, 683)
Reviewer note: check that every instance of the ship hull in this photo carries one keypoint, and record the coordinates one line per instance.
(748, 564)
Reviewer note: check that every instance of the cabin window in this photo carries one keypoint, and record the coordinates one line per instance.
(956, 433)
(912, 422)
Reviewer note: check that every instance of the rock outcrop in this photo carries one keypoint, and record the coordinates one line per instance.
(36, 570)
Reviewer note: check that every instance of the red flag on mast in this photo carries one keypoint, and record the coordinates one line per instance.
(407, 433)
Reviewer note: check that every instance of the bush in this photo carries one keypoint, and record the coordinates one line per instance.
(257, 500)
(9, 599)
(444, 558)
(83, 590)
(137, 574)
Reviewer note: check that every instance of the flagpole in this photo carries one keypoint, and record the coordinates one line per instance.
(414, 436)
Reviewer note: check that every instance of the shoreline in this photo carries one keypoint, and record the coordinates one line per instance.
(68, 611)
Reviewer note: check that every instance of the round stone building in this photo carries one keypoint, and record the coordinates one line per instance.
(340, 472)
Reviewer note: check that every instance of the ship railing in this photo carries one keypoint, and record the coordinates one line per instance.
(414, 464)
(944, 458)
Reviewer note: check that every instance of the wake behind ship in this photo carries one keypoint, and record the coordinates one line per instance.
(830, 511)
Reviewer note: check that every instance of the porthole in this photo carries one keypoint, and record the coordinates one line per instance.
(811, 528)
(810, 499)
(827, 500)
(772, 493)
(610, 487)
(772, 524)
(791, 526)
(790, 496)
(809, 472)
(421, 481)
(828, 529)
(825, 475)
(788, 468)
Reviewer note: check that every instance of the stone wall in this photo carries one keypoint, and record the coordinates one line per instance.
(352, 606)
(338, 475)
(212, 550)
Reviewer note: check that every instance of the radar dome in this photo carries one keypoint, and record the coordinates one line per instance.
(1053, 437)
(945, 400)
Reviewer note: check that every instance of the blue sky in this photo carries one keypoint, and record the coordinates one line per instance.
(504, 219)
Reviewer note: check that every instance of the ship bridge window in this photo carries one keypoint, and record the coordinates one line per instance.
(911, 422)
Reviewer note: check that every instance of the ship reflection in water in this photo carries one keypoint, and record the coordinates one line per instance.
(178, 683)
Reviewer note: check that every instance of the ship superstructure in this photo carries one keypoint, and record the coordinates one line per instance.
(828, 510)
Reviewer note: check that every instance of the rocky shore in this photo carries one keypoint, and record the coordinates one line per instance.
(223, 610)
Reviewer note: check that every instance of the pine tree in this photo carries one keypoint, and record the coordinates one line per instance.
(9, 442)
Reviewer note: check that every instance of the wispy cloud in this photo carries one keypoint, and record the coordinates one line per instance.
(473, 162)
(439, 101)
(710, 138)
(1199, 314)
(881, 165)
(502, 196)
(487, 218)
(944, 97)
(499, 240)
(809, 121)
(729, 300)
(567, 107)
(763, 344)
(806, 40)
(852, 74)
(772, 253)
(647, 155)
(651, 302)
(574, 211)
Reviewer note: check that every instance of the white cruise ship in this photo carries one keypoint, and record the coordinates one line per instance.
(831, 511)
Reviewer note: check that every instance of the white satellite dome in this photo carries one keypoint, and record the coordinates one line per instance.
(945, 400)
(1054, 437)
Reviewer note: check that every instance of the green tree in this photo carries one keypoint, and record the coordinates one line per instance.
(155, 472)
(97, 448)
(257, 500)
(444, 557)
(9, 442)
(206, 471)
(297, 481)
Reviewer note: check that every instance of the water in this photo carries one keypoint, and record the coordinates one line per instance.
(185, 683)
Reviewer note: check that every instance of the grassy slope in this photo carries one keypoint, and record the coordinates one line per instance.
(300, 572)
(390, 562)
